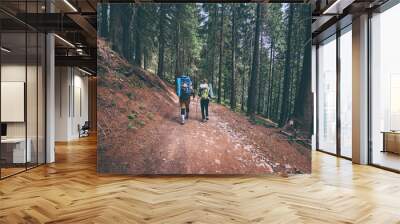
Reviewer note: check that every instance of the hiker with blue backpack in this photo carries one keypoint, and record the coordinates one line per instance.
(205, 95)
(184, 90)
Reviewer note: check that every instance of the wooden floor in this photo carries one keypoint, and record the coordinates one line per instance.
(70, 191)
(5, 172)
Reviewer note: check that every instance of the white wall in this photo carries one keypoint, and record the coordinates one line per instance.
(80, 110)
(12, 73)
(17, 73)
(71, 102)
(62, 81)
(33, 126)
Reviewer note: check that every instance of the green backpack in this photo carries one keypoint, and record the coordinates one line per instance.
(204, 93)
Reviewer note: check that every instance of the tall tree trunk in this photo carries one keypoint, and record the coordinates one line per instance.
(126, 33)
(182, 54)
(145, 59)
(214, 40)
(177, 51)
(104, 20)
(248, 63)
(221, 52)
(212, 66)
(207, 55)
(296, 72)
(279, 98)
(233, 78)
(261, 80)
(287, 73)
(304, 100)
(178, 62)
(252, 91)
(225, 88)
(295, 59)
(243, 91)
(270, 79)
(138, 38)
(161, 38)
(116, 28)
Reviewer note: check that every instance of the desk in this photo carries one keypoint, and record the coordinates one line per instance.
(391, 141)
(17, 147)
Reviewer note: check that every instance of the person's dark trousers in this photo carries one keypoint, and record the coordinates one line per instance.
(204, 108)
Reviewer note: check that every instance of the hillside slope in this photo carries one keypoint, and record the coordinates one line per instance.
(139, 132)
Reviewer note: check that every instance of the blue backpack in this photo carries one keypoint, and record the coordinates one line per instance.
(182, 90)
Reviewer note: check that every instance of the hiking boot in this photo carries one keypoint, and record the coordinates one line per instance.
(207, 118)
(183, 119)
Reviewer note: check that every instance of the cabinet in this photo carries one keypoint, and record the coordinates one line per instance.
(391, 142)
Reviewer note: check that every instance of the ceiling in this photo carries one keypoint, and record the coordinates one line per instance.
(330, 15)
(74, 22)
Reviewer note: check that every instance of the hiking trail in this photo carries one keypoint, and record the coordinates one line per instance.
(139, 130)
(204, 147)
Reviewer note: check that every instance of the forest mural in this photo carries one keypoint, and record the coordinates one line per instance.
(246, 71)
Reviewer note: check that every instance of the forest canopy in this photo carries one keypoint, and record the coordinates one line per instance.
(257, 57)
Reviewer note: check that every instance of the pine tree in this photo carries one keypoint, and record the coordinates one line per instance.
(161, 39)
(233, 65)
(287, 73)
(221, 55)
(252, 95)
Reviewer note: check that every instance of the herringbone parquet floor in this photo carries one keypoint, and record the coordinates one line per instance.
(70, 191)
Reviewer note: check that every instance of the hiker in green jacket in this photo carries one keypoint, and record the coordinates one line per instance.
(205, 96)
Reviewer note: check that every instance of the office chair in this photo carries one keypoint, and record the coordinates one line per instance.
(84, 130)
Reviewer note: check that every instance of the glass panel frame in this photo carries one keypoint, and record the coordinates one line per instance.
(327, 78)
(13, 74)
(340, 78)
(345, 108)
(384, 70)
(26, 58)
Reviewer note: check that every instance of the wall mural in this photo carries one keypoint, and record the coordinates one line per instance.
(204, 88)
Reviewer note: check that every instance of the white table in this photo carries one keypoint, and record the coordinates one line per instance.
(19, 153)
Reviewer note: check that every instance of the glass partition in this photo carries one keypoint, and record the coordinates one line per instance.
(346, 92)
(22, 108)
(327, 95)
(13, 94)
(385, 89)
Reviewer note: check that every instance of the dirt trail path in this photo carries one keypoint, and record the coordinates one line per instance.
(197, 147)
(139, 131)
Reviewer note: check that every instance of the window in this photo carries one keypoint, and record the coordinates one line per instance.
(327, 95)
(385, 89)
(346, 92)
